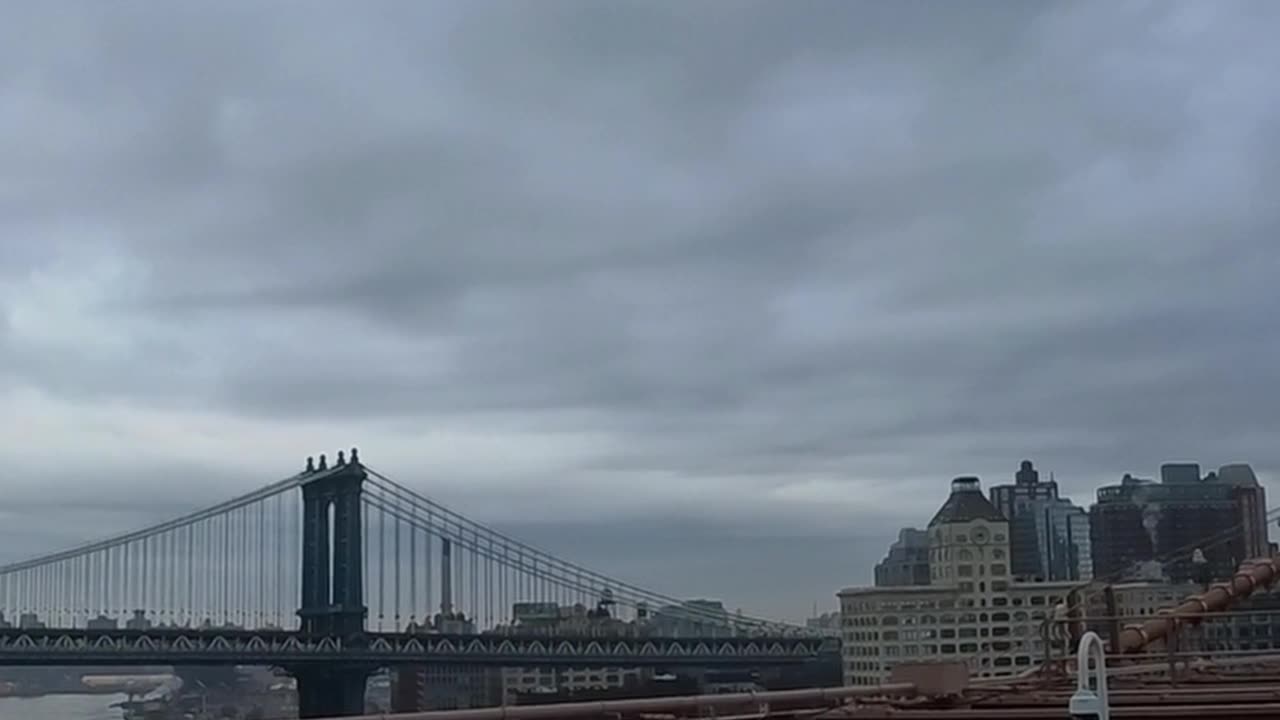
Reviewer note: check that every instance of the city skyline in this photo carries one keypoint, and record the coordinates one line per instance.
(715, 304)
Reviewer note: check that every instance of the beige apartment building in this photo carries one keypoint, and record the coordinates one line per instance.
(973, 611)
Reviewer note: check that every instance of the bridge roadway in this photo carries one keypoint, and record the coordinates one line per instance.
(182, 646)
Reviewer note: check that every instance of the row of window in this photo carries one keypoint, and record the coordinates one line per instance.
(965, 553)
(962, 539)
(931, 649)
(964, 632)
(947, 618)
(852, 610)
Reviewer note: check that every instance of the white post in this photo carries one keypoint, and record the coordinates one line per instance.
(1086, 703)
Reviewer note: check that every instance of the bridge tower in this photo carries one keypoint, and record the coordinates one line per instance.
(332, 549)
(332, 601)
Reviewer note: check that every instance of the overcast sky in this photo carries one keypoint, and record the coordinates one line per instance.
(713, 296)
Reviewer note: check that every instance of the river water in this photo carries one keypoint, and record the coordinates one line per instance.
(61, 707)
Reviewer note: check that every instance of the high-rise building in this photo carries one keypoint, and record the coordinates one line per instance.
(1049, 535)
(907, 562)
(1251, 501)
(1140, 521)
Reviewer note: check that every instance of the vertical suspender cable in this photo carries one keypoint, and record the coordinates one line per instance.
(428, 599)
(278, 539)
(396, 575)
(241, 576)
(126, 567)
(488, 587)
(190, 604)
(382, 566)
(475, 579)
(225, 606)
(367, 580)
(261, 601)
(413, 573)
(106, 581)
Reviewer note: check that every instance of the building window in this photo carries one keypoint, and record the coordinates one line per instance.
(964, 570)
(999, 569)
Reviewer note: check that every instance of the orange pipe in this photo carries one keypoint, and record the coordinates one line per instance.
(1252, 574)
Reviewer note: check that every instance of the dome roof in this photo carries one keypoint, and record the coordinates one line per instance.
(967, 503)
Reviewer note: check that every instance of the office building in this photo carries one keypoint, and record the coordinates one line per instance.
(972, 611)
(1162, 523)
(907, 562)
(1251, 501)
(1049, 535)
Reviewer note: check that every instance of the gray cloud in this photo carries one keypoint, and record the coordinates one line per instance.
(772, 273)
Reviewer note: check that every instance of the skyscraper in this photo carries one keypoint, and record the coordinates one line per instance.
(1140, 521)
(1251, 503)
(907, 562)
(1049, 535)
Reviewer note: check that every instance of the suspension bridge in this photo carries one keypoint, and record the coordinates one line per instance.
(363, 573)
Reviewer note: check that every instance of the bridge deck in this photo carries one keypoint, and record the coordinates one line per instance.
(266, 647)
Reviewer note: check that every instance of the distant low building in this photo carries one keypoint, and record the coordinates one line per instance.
(30, 621)
(446, 687)
(102, 622)
(554, 619)
(825, 621)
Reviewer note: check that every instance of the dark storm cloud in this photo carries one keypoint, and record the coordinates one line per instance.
(767, 268)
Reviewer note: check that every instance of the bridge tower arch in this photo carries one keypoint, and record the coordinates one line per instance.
(332, 602)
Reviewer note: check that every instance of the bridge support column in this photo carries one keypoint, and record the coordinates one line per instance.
(331, 691)
(332, 600)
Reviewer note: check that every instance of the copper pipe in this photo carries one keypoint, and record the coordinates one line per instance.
(1251, 575)
(815, 696)
(1156, 711)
